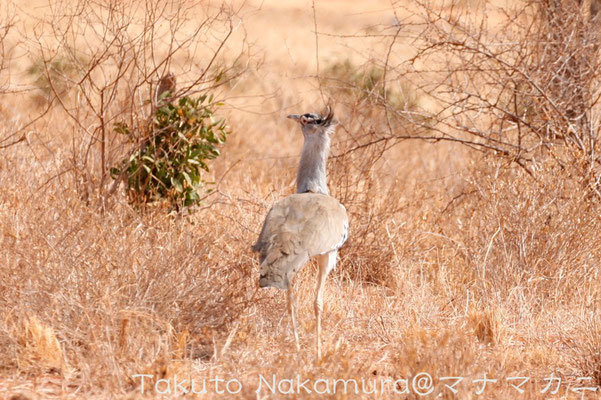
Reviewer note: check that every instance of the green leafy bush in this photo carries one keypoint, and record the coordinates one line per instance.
(170, 163)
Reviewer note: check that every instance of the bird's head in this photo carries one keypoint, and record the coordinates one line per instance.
(314, 124)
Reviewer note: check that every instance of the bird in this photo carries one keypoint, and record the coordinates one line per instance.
(165, 90)
(309, 223)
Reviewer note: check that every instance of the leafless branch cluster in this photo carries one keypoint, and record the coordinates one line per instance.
(105, 60)
(527, 90)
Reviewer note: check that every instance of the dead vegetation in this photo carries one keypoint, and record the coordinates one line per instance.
(467, 159)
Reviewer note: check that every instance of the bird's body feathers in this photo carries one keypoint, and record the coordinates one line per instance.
(298, 227)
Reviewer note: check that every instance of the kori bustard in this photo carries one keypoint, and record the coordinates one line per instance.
(307, 224)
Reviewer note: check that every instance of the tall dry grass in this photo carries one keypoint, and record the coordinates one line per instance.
(459, 263)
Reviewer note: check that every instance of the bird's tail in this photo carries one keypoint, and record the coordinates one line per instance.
(277, 271)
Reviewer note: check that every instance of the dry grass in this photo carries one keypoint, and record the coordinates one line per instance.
(458, 264)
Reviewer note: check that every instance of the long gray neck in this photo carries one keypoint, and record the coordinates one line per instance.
(311, 175)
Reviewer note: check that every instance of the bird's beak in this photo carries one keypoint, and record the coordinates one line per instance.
(294, 116)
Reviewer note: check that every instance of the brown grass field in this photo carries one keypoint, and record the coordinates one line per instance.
(459, 264)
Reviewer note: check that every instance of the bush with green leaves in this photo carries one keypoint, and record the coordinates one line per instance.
(170, 163)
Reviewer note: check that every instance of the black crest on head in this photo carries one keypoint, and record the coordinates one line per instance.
(324, 120)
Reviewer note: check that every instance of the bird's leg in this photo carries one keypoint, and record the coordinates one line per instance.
(291, 305)
(326, 262)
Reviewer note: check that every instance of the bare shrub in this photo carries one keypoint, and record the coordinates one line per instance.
(127, 49)
(525, 91)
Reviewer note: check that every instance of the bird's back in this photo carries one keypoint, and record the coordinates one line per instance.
(298, 227)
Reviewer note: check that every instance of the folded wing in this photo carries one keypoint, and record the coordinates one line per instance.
(296, 228)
